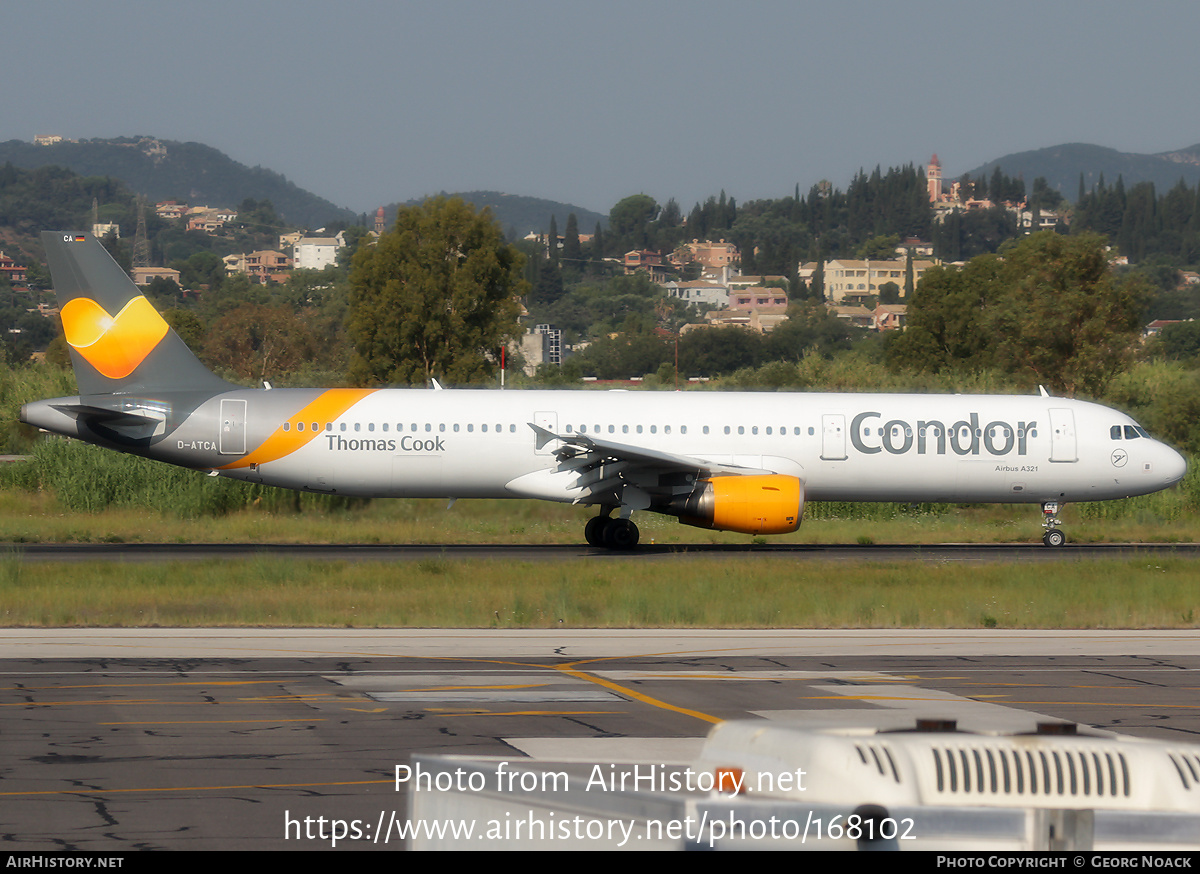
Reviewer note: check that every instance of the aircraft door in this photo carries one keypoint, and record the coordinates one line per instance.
(1062, 436)
(833, 437)
(549, 421)
(232, 440)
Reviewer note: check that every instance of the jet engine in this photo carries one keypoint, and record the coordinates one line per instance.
(771, 504)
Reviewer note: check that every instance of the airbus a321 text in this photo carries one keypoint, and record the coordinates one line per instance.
(742, 462)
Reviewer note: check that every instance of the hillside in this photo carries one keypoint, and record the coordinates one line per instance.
(1061, 166)
(190, 172)
(519, 215)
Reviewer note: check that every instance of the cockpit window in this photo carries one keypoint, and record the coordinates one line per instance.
(1130, 432)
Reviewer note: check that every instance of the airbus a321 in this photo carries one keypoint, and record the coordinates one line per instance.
(743, 462)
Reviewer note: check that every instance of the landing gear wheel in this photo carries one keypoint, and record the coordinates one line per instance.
(1054, 538)
(593, 531)
(620, 534)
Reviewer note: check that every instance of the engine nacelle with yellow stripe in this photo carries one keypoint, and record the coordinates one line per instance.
(771, 504)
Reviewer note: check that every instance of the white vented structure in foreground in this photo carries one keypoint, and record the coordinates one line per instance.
(762, 784)
(1054, 768)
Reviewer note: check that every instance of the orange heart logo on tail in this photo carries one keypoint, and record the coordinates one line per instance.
(114, 345)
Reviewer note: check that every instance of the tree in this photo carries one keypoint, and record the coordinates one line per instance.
(258, 342)
(1066, 320)
(436, 297)
(881, 248)
(1050, 310)
(549, 286)
(1181, 340)
(572, 252)
(629, 222)
(809, 325)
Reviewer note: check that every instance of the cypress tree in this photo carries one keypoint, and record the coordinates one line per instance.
(572, 251)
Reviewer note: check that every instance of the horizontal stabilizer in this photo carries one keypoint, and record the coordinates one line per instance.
(102, 416)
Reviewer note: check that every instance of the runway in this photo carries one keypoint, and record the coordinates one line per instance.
(215, 739)
(928, 553)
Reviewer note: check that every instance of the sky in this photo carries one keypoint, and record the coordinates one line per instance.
(366, 102)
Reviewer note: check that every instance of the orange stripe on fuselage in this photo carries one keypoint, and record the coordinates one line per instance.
(329, 406)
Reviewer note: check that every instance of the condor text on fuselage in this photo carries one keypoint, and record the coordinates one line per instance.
(965, 436)
(743, 462)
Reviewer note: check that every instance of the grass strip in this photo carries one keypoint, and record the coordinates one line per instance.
(742, 592)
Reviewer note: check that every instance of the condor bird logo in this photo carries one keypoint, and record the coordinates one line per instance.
(114, 345)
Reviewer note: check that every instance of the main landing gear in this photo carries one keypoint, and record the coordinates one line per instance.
(1050, 521)
(604, 531)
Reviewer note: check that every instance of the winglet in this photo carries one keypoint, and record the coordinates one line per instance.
(1042, 391)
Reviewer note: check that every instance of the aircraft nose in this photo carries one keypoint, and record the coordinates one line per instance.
(1173, 466)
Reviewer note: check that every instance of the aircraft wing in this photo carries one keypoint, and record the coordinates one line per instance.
(592, 470)
(597, 451)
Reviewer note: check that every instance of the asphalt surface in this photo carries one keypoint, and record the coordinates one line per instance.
(937, 553)
(244, 739)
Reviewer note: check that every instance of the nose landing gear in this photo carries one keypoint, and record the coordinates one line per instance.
(1054, 536)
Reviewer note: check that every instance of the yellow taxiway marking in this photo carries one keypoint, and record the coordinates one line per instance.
(159, 701)
(142, 685)
(570, 671)
(102, 701)
(526, 712)
(211, 721)
(872, 698)
(191, 788)
(469, 688)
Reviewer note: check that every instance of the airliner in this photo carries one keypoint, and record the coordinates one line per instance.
(744, 462)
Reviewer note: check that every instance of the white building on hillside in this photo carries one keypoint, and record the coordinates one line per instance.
(317, 253)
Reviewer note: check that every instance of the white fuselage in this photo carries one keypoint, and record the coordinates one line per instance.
(854, 447)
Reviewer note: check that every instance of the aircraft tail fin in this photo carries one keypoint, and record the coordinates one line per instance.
(119, 343)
